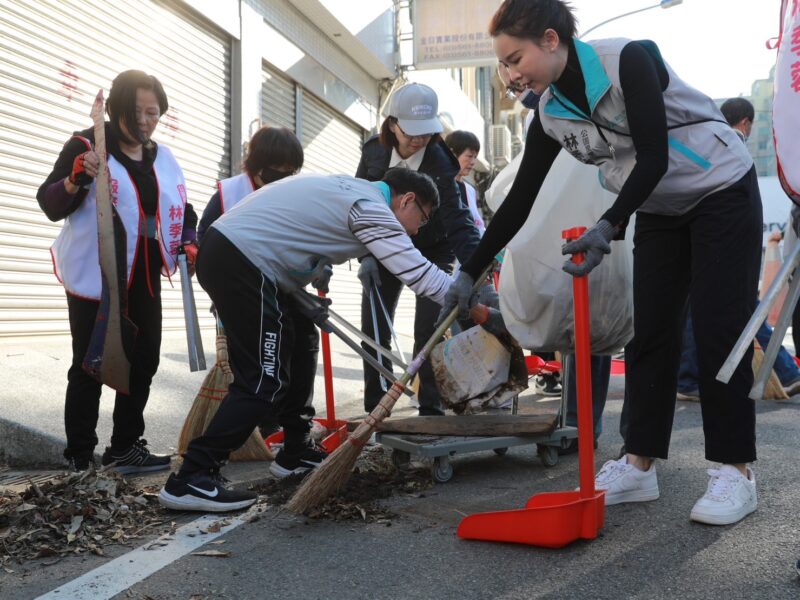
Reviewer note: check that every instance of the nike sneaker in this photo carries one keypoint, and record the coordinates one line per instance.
(203, 491)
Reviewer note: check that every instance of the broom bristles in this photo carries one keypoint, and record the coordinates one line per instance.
(335, 470)
(773, 390)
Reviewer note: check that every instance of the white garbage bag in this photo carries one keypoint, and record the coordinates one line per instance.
(536, 295)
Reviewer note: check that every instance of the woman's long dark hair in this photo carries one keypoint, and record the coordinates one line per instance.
(529, 19)
(121, 103)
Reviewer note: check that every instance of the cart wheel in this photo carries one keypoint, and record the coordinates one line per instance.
(400, 458)
(442, 470)
(500, 451)
(548, 455)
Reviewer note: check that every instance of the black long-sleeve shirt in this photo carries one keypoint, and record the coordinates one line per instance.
(642, 85)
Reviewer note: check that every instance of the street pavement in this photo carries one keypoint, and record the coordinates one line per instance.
(645, 551)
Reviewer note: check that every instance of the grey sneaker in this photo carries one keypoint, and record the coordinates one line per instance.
(135, 459)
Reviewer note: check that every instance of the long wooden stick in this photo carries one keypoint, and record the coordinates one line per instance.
(106, 359)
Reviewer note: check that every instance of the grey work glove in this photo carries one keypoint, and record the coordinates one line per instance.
(322, 282)
(458, 294)
(487, 295)
(313, 308)
(494, 323)
(594, 243)
(369, 274)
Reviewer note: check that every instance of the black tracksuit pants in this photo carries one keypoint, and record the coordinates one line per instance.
(83, 391)
(712, 254)
(425, 316)
(273, 354)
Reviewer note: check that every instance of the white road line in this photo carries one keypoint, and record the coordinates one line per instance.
(124, 571)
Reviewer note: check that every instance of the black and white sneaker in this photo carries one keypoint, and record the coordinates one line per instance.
(203, 491)
(286, 464)
(136, 459)
(547, 385)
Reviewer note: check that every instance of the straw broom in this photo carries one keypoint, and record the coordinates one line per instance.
(773, 390)
(334, 472)
(207, 401)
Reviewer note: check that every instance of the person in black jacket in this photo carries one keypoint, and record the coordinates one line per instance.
(149, 193)
(409, 138)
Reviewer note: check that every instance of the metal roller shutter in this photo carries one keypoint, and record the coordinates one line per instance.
(278, 98)
(51, 66)
(332, 144)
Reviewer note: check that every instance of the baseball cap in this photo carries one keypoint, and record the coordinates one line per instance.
(415, 106)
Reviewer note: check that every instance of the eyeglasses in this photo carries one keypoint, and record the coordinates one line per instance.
(425, 216)
(413, 137)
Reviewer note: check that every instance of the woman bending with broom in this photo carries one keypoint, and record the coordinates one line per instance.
(252, 260)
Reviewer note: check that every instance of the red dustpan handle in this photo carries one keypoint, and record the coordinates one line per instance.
(327, 370)
(580, 292)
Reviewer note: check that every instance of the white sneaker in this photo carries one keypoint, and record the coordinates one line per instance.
(730, 497)
(625, 483)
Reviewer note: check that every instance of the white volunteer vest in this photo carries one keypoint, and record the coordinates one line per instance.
(75, 251)
(233, 189)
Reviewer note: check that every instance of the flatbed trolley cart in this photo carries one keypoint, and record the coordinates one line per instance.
(441, 448)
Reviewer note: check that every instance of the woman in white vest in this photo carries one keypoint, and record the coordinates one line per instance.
(149, 192)
(668, 153)
(272, 154)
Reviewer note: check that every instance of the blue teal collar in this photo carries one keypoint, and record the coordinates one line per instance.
(386, 190)
(595, 79)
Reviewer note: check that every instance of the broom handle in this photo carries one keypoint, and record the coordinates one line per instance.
(384, 408)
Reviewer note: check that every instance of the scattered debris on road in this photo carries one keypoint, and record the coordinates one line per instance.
(374, 479)
(75, 514)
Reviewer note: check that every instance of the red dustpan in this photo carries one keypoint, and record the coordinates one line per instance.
(555, 519)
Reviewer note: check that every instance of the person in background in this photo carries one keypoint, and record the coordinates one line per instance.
(253, 262)
(272, 154)
(739, 113)
(150, 199)
(665, 150)
(409, 138)
(465, 145)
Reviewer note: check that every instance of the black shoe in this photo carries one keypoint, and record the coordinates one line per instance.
(203, 491)
(286, 464)
(79, 464)
(135, 459)
(572, 447)
(547, 385)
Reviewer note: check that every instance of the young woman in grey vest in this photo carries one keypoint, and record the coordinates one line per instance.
(668, 153)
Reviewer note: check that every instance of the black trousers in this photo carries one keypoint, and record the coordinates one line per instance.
(425, 316)
(712, 254)
(83, 392)
(273, 355)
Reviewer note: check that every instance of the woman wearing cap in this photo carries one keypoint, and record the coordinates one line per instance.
(668, 153)
(150, 198)
(409, 138)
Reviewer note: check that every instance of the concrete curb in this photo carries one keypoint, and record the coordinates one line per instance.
(28, 447)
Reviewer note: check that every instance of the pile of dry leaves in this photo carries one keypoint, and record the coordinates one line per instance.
(374, 478)
(75, 514)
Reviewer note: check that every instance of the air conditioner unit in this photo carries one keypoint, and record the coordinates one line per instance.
(500, 142)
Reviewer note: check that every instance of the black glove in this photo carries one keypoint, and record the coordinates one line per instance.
(313, 307)
(322, 282)
(594, 243)
(458, 294)
(369, 273)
